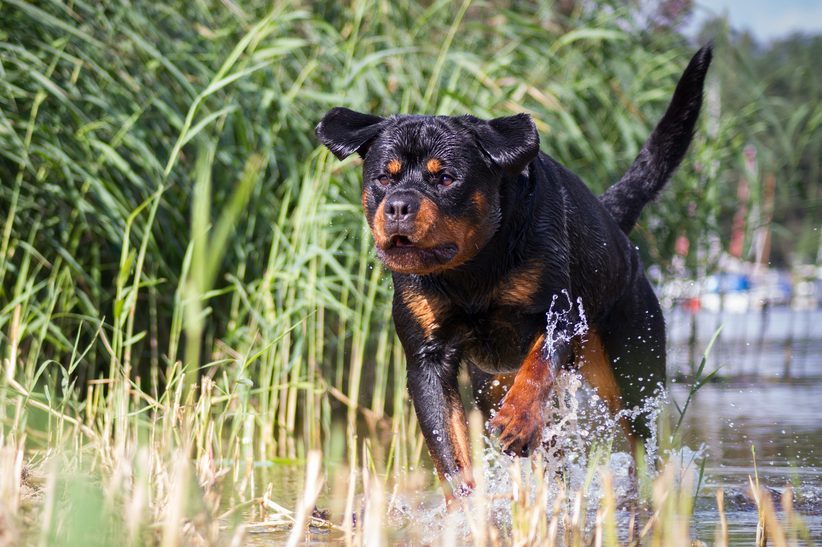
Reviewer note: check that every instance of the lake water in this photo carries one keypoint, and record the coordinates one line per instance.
(782, 422)
(769, 396)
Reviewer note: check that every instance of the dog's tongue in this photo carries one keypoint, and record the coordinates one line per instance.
(402, 241)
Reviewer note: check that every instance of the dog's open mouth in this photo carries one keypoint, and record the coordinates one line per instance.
(401, 241)
(405, 255)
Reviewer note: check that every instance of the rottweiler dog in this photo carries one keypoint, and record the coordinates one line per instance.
(484, 236)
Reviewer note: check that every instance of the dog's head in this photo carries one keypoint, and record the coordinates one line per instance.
(431, 184)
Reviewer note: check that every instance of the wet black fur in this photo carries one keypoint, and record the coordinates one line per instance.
(539, 210)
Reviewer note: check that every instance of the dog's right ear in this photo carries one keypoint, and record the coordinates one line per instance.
(344, 131)
(512, 142)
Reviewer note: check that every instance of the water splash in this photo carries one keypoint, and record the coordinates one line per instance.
(563, 325)
(577, 445)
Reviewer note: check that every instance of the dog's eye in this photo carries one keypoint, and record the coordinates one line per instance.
(446, 180)
(383, 179)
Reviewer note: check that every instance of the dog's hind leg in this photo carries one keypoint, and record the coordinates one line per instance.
(594, 363)
(624, 359)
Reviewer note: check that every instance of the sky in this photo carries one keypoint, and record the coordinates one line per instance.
(767, 19)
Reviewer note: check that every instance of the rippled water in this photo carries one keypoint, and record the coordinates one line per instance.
(782, 422)
(769, 397)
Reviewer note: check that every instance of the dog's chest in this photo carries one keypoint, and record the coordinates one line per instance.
(497, 339)
(494, 324)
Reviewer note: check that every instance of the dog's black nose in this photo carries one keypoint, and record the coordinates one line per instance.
(400, 207)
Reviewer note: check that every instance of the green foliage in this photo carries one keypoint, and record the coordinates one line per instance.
(160, 150)
(166, 209)
(766, 99)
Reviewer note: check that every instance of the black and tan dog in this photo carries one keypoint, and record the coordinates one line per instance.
(483, 232)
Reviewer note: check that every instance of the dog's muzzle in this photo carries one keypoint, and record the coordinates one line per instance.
(400, 213)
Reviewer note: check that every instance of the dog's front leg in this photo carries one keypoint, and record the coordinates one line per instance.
(433, 358)
(520, 419)
(432, 383)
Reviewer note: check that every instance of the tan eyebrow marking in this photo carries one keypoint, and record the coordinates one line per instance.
(434, 165)
(394, 167)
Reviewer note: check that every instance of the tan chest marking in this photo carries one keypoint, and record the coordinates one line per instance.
(520, 286)
(426, 310)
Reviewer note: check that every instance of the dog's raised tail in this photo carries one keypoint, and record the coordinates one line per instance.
(664, 149)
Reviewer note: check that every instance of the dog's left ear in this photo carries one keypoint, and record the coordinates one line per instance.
(511, 142)
(344, 131)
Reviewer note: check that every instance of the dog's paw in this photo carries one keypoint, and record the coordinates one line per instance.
(518, 424)
(458, 493)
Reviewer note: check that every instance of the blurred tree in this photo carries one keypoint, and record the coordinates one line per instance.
(770, 96)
